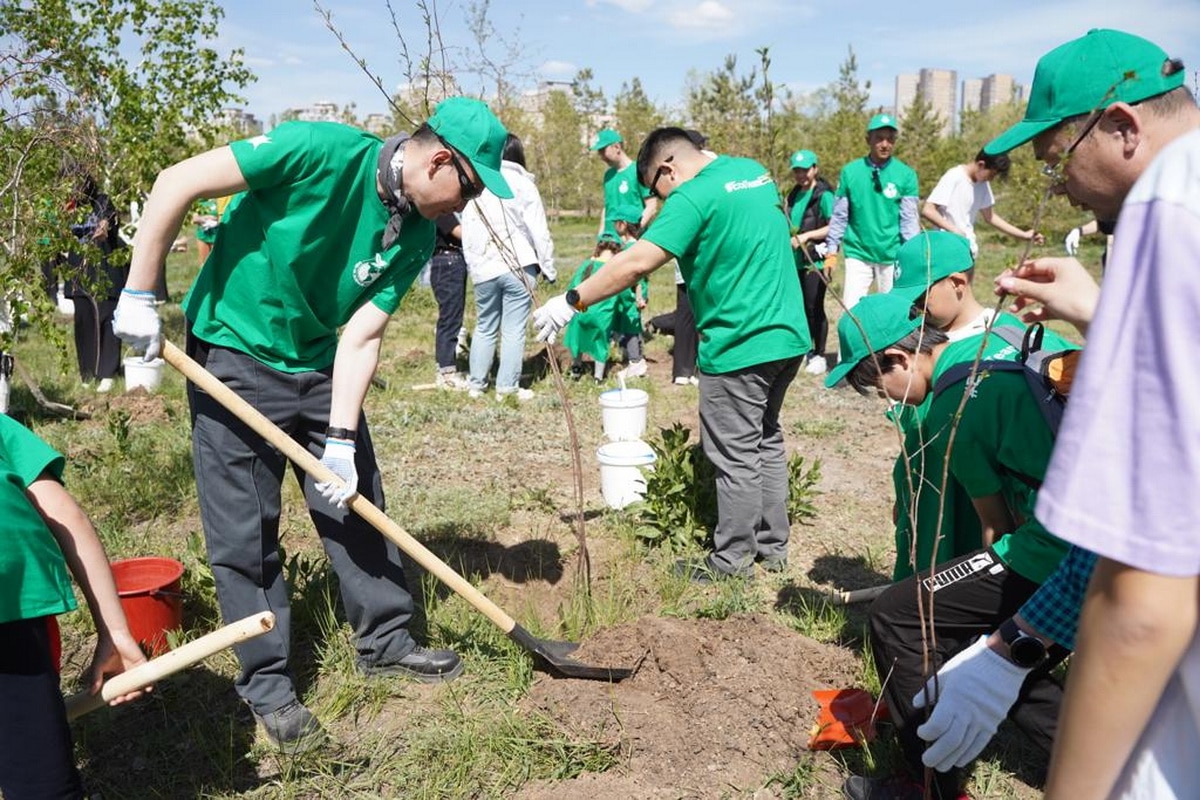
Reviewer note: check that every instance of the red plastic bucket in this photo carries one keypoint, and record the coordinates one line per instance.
(150, 594)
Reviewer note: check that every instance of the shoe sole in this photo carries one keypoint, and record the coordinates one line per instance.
(397, 671)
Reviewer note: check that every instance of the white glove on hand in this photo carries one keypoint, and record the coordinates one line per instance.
(821, 248)
(136, 322)
(1071, 243)
(978, 687)
(339, 458)
(552, 317)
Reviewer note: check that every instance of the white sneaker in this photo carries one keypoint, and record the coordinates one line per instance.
(521, 394)
(463, 347)
(815, 365)
(636, 369)
(474, 394)
(104, 385)
(452, 381)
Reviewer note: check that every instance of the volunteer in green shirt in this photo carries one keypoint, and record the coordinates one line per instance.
(809, 206)
(333, 228)
(621, 186)
(875, 211)
(1001, 447)
(721, 219)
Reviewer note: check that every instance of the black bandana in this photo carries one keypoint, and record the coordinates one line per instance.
(393, 189)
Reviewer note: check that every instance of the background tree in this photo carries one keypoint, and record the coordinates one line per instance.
(723, 106)
(636, 115)
(921, 144)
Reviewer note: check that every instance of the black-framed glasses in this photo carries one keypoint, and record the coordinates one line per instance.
(1055, 173)
(468, 188)
(658, 173)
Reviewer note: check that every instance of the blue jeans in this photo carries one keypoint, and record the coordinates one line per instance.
(502, 309)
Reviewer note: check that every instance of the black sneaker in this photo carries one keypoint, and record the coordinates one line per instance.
(422, 664)
(576, 372)
(859, 787)
(292, 728)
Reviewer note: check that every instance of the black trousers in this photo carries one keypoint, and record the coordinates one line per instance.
(36, 757)
(97, 348)
(448, 279)
(684, 357)
(971, 596)
(813, 286)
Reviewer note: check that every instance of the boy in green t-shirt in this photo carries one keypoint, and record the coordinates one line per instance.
(590, 331)
(999, 453)
(333, 228)
(621, 186)
(721, 219)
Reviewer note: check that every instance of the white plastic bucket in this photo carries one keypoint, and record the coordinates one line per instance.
(141, 374)
(623, 414)
(621, 465)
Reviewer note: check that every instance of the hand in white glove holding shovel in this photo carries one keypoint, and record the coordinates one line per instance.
(339, 458)
(975, 690)
(552, 317)
(136, 322)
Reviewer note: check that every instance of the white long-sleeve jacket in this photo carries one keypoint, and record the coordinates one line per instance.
(505, 235)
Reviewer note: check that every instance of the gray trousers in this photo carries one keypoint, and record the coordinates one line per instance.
(239, 479)
(739, 429)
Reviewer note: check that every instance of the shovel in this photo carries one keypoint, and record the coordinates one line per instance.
(550, 654)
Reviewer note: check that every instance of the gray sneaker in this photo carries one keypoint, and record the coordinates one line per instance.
(292, 728)
(422, 664)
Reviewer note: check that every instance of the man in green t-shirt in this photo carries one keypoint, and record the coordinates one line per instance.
(1000, 448)
(722, 221)
(874, 213)
(621, 186)
(332, 229)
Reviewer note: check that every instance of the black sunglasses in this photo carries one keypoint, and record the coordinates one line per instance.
(466, 186)
(662, 168)
(875, 179)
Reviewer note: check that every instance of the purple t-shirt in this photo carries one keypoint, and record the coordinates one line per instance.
(1125, 475)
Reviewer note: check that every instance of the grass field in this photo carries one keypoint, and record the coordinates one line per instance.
(487, 486)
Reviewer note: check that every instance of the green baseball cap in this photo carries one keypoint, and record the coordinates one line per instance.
(927, 258)
(1089, 73)
(626, 212)
(803, 159)
(884, 320)
(471, 128)
(609, 236)
(882, 121)
(605, 137)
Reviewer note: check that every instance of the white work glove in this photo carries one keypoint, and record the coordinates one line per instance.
(549, 272)
(136, 322)
(339, 458)
(552, 317)
(1071, 243)
(821, 248)
(977, 688)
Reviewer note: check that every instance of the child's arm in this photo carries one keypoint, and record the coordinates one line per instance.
(116, 650)
(995, 516)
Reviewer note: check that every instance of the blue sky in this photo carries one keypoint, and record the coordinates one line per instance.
(298, 60)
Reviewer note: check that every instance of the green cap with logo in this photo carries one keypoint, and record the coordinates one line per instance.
(471, 128)
(1089, 73)
(927, 258)
(803, 159)
(605, 137)
(882, 121)
(884, 320)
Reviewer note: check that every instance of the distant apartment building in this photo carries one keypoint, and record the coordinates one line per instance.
(323, 111)
(239, 120)
(982, 94)
(379, 124)
(972, 95)
(937, 87)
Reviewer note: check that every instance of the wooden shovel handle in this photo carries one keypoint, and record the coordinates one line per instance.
(171, 662)
(313, 466)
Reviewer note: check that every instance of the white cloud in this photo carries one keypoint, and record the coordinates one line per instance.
(553, 67)
(632, 6)
(709, 15)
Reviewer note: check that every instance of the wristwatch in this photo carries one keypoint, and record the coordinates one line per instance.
(572, 298)
(1024, 650)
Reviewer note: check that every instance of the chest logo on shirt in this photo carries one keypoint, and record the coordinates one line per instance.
(367, 271)
(890, 191)
(623, 187)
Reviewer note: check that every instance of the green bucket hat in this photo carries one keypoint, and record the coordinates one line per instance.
(1092, 72)
(883, 121)
(927, 258)
(605, 137)
(884, 320)
(803, 159)
(471, 128)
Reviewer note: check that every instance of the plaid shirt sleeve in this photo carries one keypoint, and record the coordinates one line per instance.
(1054, 608)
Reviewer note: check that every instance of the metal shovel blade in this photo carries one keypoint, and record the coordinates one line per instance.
(553, 655)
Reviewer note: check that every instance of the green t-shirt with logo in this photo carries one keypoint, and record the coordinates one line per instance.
(1002, 446)
(34, 580)
(621, 188)
(207, 207)
(873, 228)
(301, 251)
(824, 209)
(727, 229)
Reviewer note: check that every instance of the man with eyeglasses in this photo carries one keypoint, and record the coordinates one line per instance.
(722, 220)
(874, 212)
(1119, 132)
(333, 227)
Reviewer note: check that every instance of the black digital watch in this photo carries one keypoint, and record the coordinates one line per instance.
(572, 298)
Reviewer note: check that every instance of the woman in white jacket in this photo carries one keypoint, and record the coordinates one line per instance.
(506, 244)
